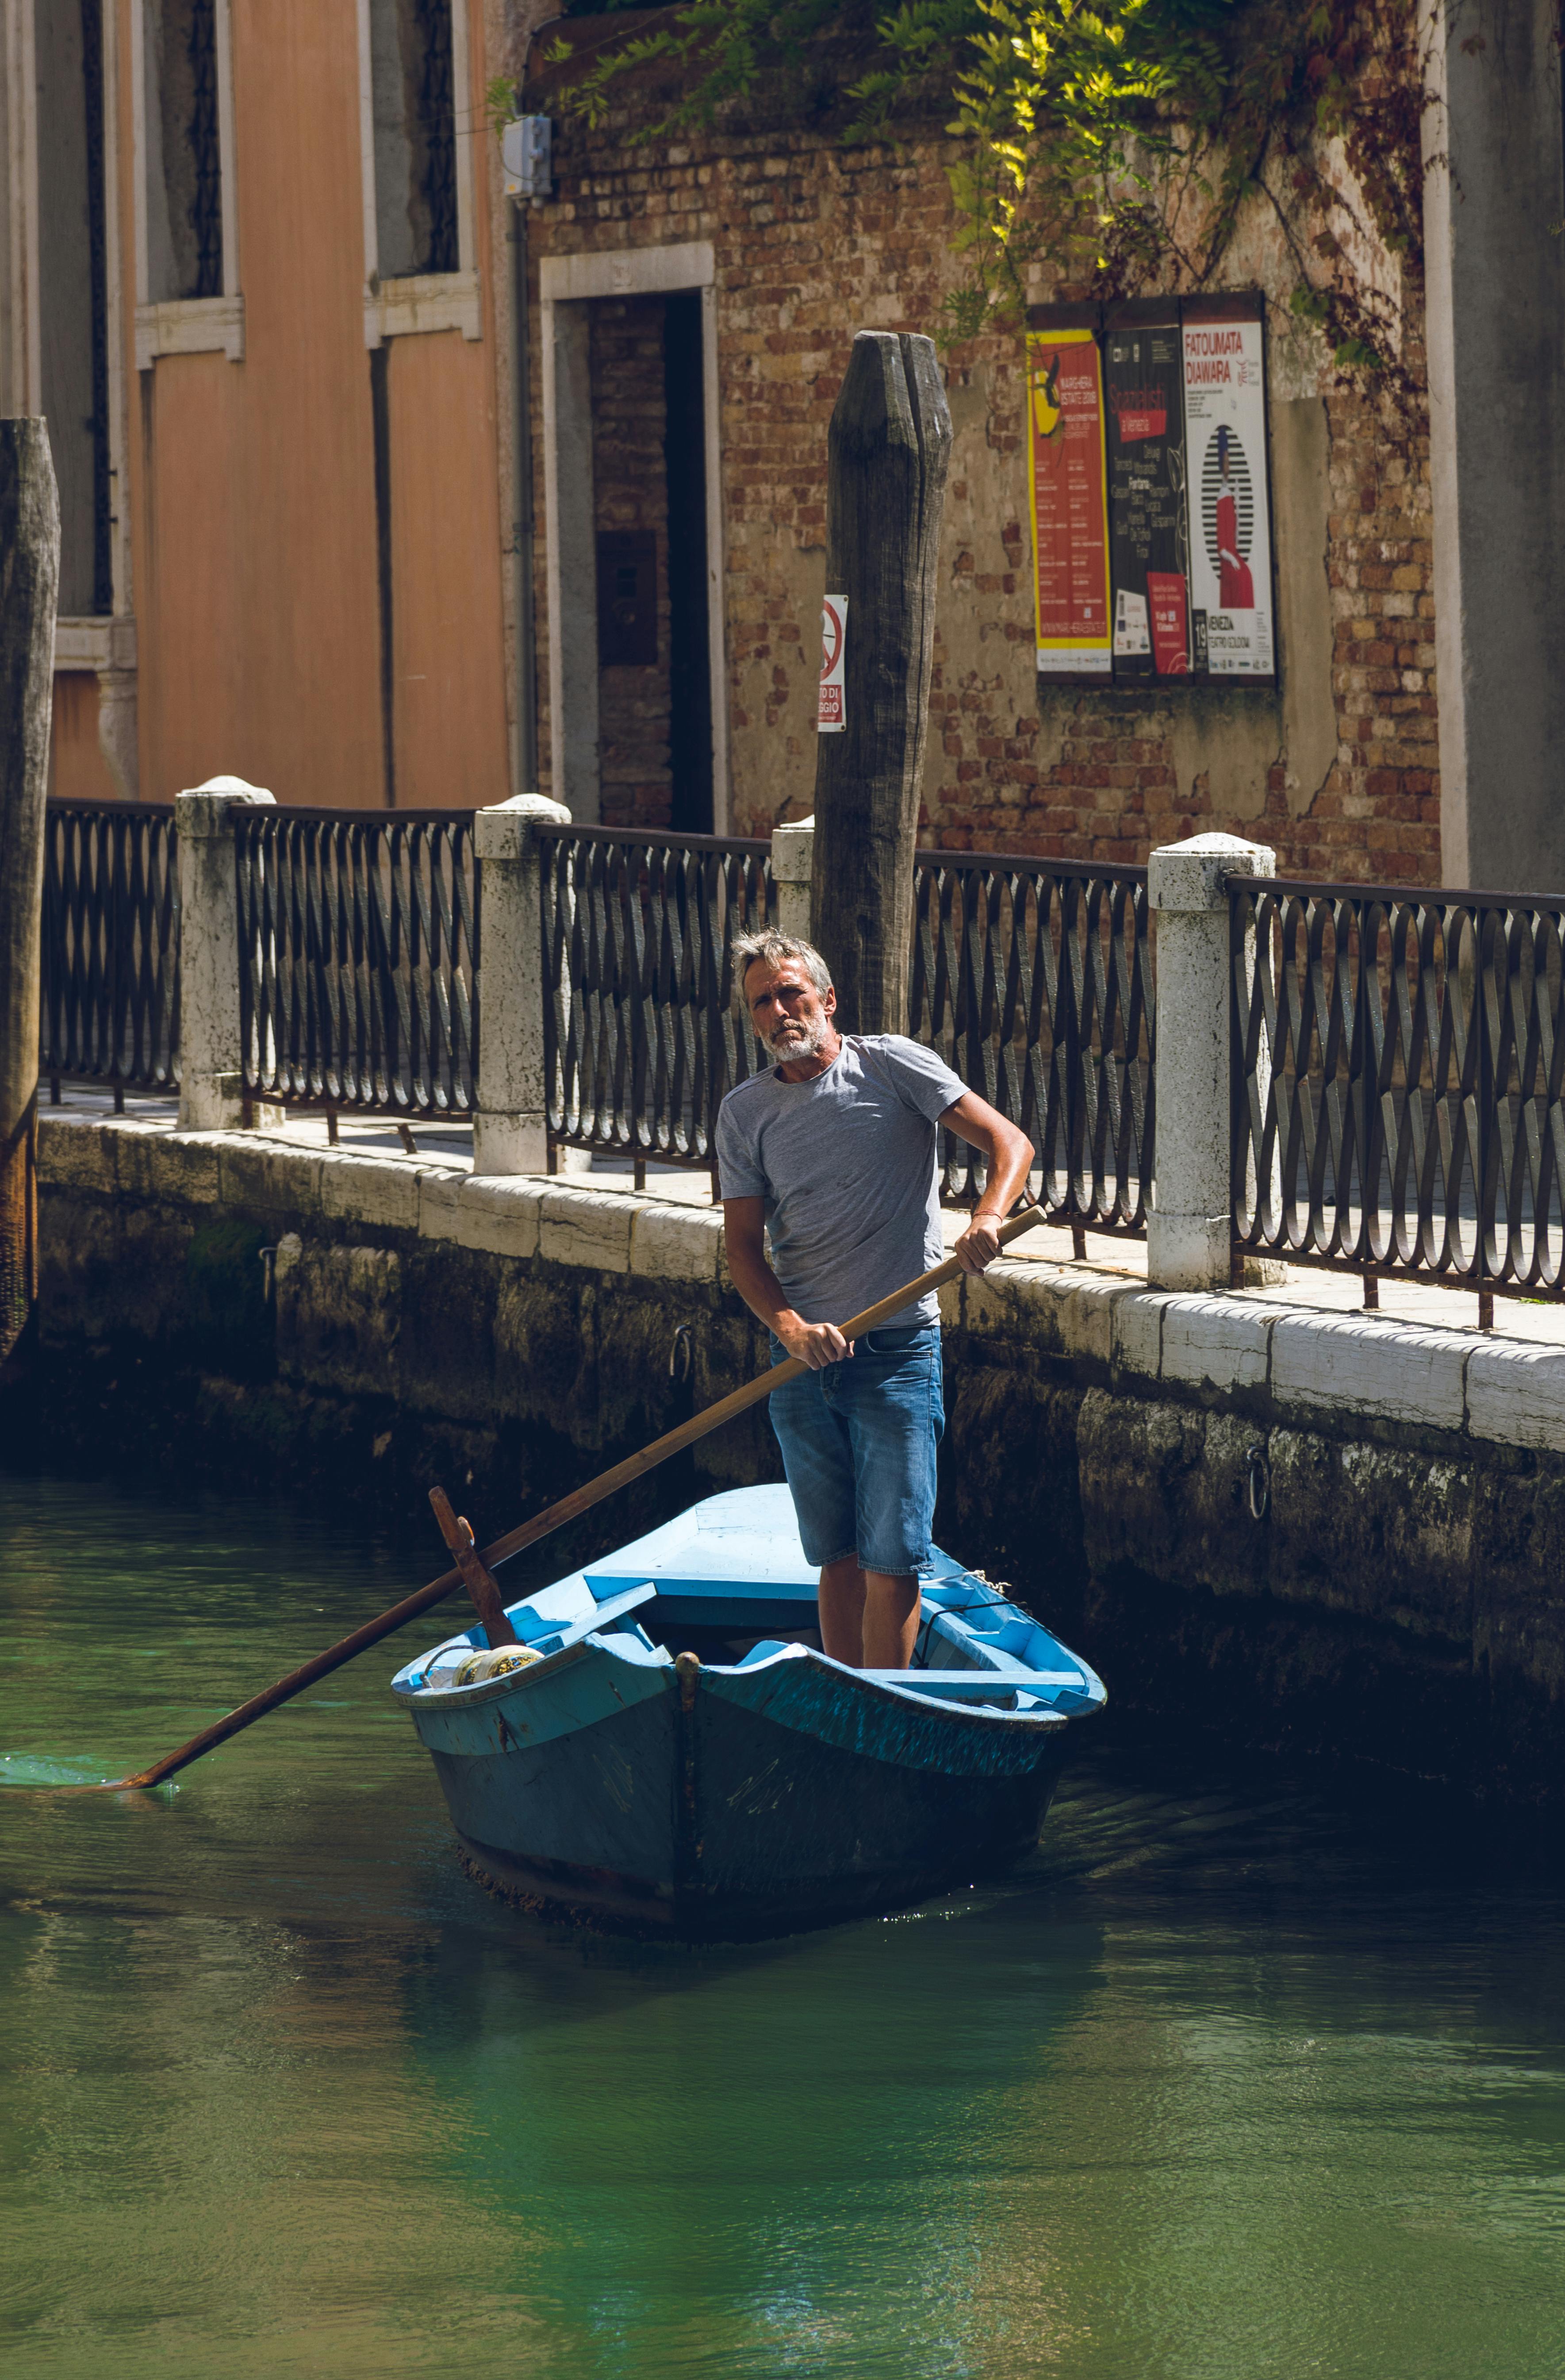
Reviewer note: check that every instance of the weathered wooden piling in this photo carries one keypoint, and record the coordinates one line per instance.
(889, 449)
(30, 574)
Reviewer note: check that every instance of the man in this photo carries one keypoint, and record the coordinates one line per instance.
(827, 1162)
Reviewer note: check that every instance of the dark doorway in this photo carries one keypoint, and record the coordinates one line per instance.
(684, 450)
(649, 526)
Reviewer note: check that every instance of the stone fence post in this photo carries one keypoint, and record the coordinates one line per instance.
(1188, 1232)
(210, 1051)
(792, 867)
(510, 1120)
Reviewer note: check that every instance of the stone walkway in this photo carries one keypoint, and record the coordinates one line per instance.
(1542, 1320)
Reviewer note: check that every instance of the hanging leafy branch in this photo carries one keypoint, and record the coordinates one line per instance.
(1116, 142)
(718, 52)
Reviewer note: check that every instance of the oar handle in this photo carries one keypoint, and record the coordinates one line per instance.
(542, 1525)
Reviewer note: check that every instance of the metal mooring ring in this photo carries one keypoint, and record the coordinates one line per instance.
(682, 1356)
(1259, 1482)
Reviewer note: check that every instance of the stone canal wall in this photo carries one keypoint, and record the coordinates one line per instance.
(1314, 1530)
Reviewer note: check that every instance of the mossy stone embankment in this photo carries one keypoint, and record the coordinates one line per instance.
(1311, 1530)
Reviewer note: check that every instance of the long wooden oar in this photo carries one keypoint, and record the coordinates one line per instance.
(569, 1508)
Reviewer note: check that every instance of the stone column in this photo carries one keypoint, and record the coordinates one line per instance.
(1494, 299)
(1188, 1232)
(510, 1123)
(210, 1051)
(792, 864)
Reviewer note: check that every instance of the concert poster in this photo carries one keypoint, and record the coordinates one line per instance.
(1148, 521)
(1067, 481)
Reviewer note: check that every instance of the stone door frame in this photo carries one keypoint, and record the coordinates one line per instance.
(567, 285)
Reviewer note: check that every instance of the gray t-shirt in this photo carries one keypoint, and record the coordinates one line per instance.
(846, 1165)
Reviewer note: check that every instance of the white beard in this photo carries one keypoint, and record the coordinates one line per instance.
(790, 1041)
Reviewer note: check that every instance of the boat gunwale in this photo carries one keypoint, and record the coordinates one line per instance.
(954, 1708)
(901, 1697)
(487, 1689)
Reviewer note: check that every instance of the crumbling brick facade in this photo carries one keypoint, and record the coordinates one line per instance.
(813, 240)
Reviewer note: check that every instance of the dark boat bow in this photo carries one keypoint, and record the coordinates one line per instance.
(624, 1776)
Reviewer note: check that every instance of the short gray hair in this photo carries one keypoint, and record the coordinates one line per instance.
(771, 949)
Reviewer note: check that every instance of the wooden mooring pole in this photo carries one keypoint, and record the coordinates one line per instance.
(889, 448)
(29, 577)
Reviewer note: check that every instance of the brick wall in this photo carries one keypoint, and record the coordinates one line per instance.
(813, 241)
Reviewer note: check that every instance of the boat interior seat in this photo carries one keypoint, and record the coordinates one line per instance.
(763, 1651)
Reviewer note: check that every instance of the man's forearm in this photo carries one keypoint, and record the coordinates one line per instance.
(815, 1343)
(1008, 1169)
(759, 1286)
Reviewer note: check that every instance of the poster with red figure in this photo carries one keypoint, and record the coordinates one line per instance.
(1230, 519)
(1070, 503)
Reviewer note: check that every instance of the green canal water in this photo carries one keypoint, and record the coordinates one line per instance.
(1236, 2080)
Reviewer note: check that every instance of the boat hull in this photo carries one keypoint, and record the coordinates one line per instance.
(701, 1814)
(762, 1787)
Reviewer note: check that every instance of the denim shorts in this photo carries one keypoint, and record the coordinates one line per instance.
(858, 1444)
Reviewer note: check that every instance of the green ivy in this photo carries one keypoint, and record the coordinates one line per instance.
(1118, 142)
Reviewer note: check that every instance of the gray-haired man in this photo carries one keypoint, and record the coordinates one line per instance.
(827, 1164)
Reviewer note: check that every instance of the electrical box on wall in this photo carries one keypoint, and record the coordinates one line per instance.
(627, 599)
(527, 153)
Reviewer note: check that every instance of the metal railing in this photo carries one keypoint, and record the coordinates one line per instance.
(110, 990)
(1398, 1107)
(641, 1039)
(359, 982)
(358, 952)
(1398, 1076)
(1035, 983)
(1032, 981)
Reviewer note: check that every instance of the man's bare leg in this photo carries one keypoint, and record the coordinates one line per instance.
(842, 1610)
(890, 1620)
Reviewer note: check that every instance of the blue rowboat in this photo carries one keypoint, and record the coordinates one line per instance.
(679, 1758)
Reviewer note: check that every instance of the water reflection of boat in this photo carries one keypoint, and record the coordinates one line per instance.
(679, 1756)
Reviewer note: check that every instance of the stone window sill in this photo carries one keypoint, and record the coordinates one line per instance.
(426, 301)
(190, 326)
(97, 644)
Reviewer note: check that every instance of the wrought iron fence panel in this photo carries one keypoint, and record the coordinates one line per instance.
(1035, 983)
(109, 989)
(1398, 1104)
(642, 1040)
(358, 955)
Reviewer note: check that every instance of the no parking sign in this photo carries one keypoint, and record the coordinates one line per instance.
(832, 715)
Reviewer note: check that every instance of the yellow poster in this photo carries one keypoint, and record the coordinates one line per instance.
(1069, 485)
